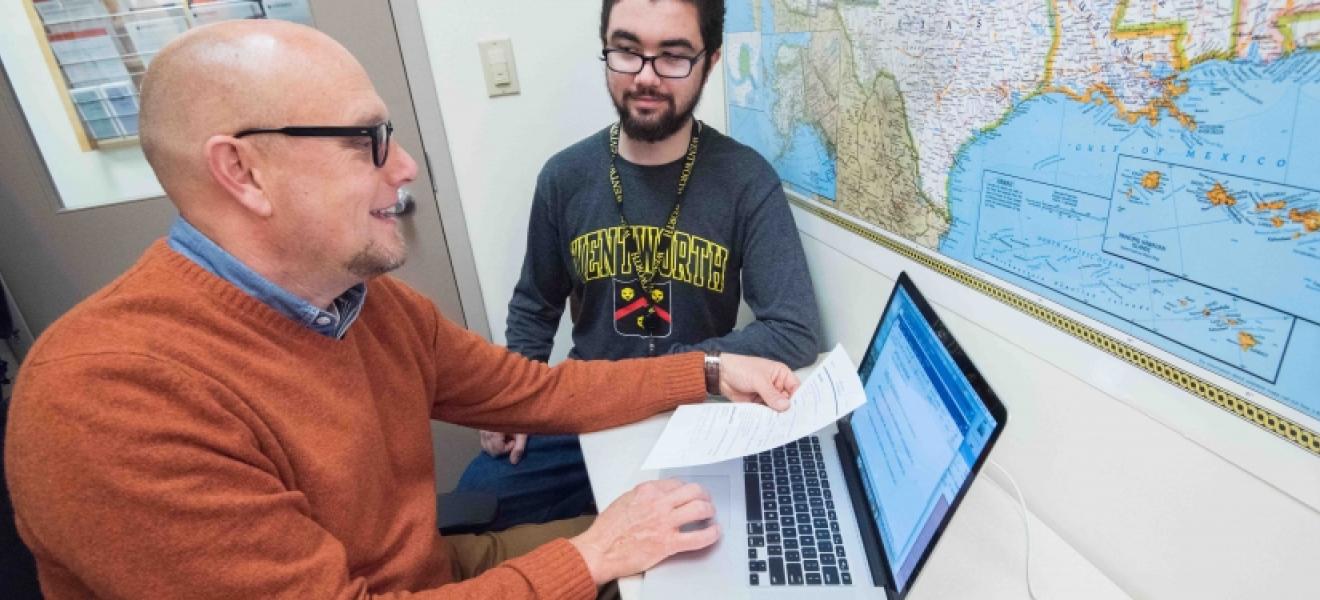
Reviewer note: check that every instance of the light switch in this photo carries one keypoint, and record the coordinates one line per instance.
(499, 73)
(497, 65)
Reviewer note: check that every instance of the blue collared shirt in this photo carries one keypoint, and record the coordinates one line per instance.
(333, 322)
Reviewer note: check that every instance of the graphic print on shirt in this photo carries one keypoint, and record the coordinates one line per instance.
(691, 260)
(630, 309)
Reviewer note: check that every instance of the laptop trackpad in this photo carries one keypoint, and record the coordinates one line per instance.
(709, 568)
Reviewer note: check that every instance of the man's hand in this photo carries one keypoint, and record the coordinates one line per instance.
(642, 528)
(498, 444)
(748, 379)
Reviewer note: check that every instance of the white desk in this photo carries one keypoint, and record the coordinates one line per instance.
(980, 555)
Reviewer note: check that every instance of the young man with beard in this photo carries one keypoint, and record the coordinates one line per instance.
(654, 227)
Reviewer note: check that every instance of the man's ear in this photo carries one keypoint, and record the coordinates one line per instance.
(711, 64)
(229, 160)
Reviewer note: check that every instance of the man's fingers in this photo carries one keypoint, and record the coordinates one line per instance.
(751, 379)
(493, 443)
(517, 447)
(699, 509)
(771, 395)
(684, 494)
(789, 382)
(687, 541)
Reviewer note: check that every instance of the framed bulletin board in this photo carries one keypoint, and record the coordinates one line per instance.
(98, 50)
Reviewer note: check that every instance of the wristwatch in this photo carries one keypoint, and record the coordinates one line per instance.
(711, 367)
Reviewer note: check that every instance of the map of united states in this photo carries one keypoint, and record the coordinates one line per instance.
(1153, 165)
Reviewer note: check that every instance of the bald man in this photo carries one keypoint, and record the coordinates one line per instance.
(244, 413)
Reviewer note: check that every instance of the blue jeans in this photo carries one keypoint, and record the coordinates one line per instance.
(549, 483)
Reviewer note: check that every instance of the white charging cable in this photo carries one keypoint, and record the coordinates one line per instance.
(1026, 524)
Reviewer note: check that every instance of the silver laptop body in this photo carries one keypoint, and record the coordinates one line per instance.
(722, 571)
(905, 460)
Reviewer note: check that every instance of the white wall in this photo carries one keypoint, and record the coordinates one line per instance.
(1168, 496)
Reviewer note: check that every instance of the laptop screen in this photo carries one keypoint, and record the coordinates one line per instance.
(919, 435)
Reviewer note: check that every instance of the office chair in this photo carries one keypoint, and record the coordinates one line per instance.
(18, 570)
(6, 332)
(465, 512)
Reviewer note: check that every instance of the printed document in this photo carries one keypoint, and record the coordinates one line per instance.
(699, 434)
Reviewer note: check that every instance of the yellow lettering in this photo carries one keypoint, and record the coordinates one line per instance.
(702, 270)
(596, 252)
(575, 250)
(606, 266)
(650, 244)
(667, 267)
(696, 261)
(614, 241)
(682, 272)
(719, 262)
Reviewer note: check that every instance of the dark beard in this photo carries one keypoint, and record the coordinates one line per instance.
(669, 122)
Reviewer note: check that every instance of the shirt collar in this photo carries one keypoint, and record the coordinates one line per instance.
(333, 322)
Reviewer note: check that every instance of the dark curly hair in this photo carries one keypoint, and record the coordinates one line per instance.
(710, 14)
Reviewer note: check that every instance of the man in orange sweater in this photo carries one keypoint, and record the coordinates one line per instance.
(245, 412)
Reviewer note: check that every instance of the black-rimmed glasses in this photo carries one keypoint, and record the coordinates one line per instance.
(380, 136)
(669, 66)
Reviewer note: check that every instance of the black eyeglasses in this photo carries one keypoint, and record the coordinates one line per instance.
(669, 66)
(380, 136)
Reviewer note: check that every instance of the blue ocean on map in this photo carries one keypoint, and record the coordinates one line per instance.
(738, 16)
(1192, 238)
(806, 164)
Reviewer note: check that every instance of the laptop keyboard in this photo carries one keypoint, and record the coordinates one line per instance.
(792, 529)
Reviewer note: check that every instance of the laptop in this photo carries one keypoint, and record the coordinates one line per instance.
(859, 506)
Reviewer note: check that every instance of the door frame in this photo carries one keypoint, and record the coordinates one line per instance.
(439, 161)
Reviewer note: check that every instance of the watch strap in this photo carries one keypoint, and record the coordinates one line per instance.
(711, 367)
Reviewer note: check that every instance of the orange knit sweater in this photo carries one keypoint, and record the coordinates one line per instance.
(173, 437)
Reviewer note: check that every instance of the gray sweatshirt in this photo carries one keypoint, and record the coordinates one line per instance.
(735, 237)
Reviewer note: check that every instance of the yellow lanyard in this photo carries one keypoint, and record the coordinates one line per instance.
(644, 276)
